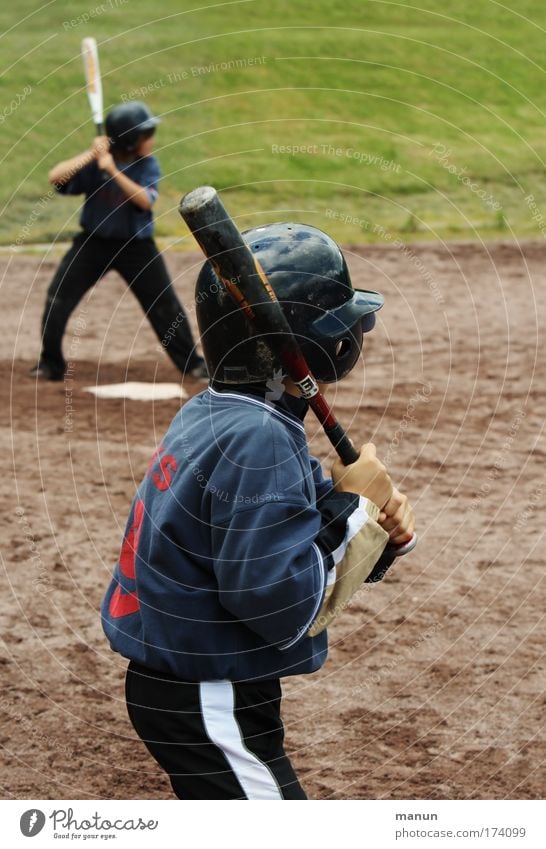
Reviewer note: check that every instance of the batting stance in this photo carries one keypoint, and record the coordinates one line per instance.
(119, 177)
(238, 552)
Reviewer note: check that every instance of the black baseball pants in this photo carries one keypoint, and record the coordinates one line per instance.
(143, 269)
(214, 739)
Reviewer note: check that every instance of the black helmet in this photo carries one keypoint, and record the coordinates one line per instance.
(126, 123)
(310, 278)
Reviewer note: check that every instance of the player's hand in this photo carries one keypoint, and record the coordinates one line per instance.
(397, 518)
(101, 152)
(101, 145)
(367, 477)
(106, 163)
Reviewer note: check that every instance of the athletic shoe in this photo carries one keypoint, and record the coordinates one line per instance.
(44, 372)
(200, 372)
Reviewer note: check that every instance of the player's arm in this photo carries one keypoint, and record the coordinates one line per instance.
(271, 574)
(270, 570)
(345, 514)
(64, 171)
(373, 513)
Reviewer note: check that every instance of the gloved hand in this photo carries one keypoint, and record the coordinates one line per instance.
(367, 477)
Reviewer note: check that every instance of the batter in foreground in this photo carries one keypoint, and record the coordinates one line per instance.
(238, 552)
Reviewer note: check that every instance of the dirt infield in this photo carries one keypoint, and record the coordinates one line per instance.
(434, 686)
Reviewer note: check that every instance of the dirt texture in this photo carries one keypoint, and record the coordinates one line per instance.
(434, 687)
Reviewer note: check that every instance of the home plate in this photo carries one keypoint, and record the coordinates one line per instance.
(137, 391)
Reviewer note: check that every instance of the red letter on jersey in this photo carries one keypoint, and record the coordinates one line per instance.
(122, 604)
(163, 478)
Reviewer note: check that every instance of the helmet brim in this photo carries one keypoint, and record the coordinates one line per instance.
(149, 124)
(333, 322)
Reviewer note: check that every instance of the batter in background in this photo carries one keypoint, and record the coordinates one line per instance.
(119, 177)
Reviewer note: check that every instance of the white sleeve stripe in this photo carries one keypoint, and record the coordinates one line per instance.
(302, 631)
(218, 710)
(355, 523)
(331, 579)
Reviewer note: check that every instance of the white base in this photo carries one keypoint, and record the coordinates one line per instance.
(137, 391)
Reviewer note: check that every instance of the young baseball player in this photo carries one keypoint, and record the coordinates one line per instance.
(119, 177)
(238, 551)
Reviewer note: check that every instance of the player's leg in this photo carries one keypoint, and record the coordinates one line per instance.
(166, 715)
(215, 740)
(143, 268)
(257, 714)
(80, 268)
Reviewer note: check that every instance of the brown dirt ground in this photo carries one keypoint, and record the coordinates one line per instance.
(434, 686)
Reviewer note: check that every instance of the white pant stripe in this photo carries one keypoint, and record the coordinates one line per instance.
(217, 707)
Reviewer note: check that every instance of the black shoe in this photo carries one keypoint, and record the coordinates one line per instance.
(43, 371)
(199, 372)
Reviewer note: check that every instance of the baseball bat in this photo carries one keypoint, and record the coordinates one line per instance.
(91, 67)
(90, 56)
(242, 275)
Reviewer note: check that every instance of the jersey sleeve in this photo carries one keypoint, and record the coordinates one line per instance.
(322, 485)
(83, 182)
(149, 177)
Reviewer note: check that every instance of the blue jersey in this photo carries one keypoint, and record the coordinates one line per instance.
(225, 558)
(107, 210)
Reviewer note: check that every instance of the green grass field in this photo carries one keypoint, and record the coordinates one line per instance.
(374, 120)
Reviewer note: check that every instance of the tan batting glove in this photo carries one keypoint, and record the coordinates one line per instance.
(367, 477)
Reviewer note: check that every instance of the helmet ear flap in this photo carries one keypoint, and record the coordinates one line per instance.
(332, 358)
(342, 348)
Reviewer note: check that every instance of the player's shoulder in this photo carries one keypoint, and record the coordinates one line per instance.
(151, 163)
(254, 434)
(244, 435)
(146, 167)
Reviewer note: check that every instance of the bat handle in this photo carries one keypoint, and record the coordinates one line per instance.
(99, 129)
(341, 442)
